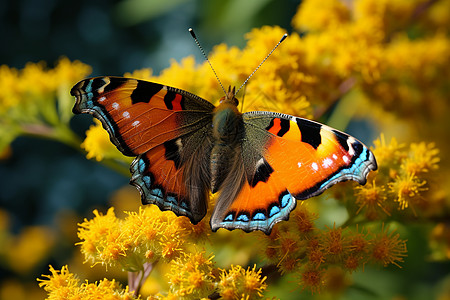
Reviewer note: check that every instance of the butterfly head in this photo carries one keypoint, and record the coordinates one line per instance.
(230, 97)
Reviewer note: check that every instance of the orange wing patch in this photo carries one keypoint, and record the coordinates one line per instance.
(124, 106)
(257, 207)
(158, 175)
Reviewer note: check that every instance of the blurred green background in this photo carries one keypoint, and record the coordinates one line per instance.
(44, 184)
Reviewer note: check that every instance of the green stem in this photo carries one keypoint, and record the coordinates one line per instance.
(66, 136)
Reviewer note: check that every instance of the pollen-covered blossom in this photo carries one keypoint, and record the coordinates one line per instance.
(402, 179)
(191, 276)
(239, 283)
(34, 101)
(102, 240)
(98, 145)
(65, 285)
(372, 199)
(145, 236)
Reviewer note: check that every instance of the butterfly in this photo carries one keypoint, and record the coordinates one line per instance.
(258, 162)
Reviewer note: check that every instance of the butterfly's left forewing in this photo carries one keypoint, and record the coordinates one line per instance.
(287, 158)
(166, 128)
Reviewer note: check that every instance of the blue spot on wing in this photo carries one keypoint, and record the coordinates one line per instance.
(285, 199)
(274, 210)
(147, 181)
(243, 218)
(229, 218)
(259, 217)
(157, 193)
(261, 220)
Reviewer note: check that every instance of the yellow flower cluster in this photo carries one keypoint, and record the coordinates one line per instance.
(401, 180)
(35, 101)
(191, 276)
(65, 285)
(98, 145)
(151, 236)
(146, 236)
(35, 83)
(238, 283)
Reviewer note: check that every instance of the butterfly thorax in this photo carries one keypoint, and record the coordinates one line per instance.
(228, 128)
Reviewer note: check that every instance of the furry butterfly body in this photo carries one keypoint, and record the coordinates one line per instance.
(185, 147)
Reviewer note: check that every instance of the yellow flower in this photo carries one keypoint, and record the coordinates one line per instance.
(142, 74)
(98, 145)
(9, 89)
(388, 155)
(64, 285)
(238, 283)
(407, 189)
(372, 199)
(146, 236)
(102, 239)
(319, 15)
(61, 284)
(422, 158)
(191, 276)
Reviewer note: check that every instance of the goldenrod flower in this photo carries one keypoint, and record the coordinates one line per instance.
(407, 189)
(65, 285)
(304, 219)
(321, 15)
(372, 199)
(387, 248)
(98, 145)
(102, 239)
(422, 158)
(389, 154)
(61, 284)
(238, 283)
(191, 276)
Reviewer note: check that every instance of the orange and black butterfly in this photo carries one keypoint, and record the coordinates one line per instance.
(259, 162)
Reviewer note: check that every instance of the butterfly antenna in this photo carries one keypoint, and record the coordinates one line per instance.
(270, 53)
(206, 57)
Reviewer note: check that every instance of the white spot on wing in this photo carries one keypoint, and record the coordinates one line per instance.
(179, 143)
(346, 159)
(126, 114)
(101, 99)
(327, 162)
(299, 164)
(350, 141)
(315, 166)
(335, 156)
(135, 123)
(259, 162)
(115, 105)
